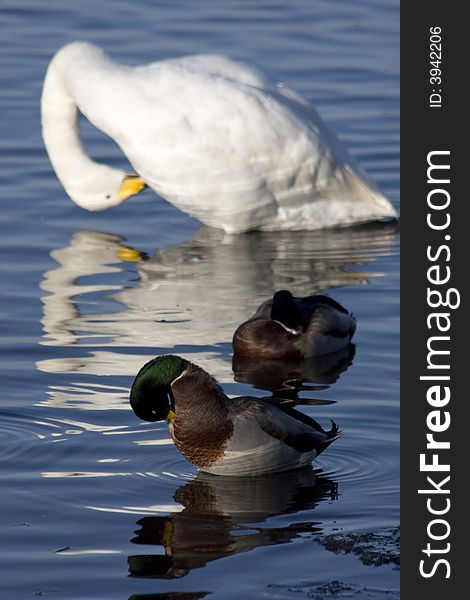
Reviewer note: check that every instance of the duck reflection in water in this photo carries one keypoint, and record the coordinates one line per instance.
(286, 378)
(220, 517)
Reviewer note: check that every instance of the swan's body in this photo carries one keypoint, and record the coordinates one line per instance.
(221, 435)
(211, 135)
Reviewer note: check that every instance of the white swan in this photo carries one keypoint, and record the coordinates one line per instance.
(212, 136)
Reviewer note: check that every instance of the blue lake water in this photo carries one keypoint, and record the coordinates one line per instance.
(96, 504)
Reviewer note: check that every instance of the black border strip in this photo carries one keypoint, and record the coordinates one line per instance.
(429, 125)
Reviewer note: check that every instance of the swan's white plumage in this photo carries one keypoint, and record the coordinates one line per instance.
(211, 135)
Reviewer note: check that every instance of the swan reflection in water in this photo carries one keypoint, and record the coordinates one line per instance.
(188, 298)
(221, 517)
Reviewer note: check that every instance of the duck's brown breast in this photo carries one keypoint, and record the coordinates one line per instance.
(266, 338)
(201, 427)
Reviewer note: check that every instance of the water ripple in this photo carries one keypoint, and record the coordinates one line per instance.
(20, 435)
(362, 465)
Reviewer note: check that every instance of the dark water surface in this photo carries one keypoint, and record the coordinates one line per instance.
(95, 504)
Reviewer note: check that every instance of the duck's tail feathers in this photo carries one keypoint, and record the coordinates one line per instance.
(335, 431)
(333, 434)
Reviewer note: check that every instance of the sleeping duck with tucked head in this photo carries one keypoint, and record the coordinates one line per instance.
(221, 435)
(286, 327)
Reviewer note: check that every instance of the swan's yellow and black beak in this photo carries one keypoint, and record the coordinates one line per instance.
(132, 185)
(127, 254)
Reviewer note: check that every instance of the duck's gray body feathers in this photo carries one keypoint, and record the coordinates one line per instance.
(240, 436)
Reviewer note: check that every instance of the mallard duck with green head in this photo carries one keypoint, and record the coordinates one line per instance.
(222, 435)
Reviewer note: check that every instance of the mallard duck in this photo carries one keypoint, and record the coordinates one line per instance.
(221, 435)
(295, 328)
(212, 136)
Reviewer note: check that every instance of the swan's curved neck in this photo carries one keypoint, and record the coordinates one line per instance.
(64, 84)
(59, 116)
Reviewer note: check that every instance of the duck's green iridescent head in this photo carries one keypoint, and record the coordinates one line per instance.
(151, 397)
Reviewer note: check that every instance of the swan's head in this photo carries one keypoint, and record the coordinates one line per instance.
(104, 188)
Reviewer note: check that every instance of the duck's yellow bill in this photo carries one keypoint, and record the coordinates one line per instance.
(170, 416)
(132, 185)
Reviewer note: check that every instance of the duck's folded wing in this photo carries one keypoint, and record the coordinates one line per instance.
(288, 425)
(309, 303)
